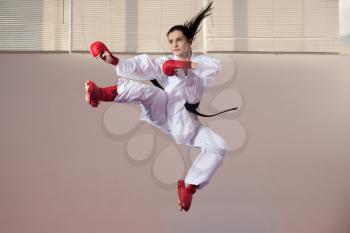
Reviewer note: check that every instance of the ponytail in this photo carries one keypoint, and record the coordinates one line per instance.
(192, 26)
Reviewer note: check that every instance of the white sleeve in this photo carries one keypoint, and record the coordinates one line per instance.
(207, 68)
(140, 67)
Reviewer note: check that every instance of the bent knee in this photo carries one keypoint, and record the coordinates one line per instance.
(221, 146)
(219, 149)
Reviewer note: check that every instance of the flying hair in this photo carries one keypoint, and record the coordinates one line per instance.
(192, 26)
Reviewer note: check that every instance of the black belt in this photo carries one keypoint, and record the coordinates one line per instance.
(193, 107)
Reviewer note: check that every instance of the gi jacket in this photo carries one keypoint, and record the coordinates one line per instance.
(180, 89)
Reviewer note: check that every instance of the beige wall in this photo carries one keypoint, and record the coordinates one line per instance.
(61, 172)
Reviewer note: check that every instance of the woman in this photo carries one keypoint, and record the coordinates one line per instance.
(180, 79)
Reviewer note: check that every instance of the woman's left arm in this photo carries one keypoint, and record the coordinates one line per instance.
(206, 67)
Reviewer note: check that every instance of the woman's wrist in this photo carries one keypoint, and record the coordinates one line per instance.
(194, 65)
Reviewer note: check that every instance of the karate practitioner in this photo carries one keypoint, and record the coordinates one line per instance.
(180, 80)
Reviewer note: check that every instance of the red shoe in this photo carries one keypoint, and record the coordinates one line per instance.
(95, 94)
(185, 195)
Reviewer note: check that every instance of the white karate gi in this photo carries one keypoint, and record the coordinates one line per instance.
(166, 111)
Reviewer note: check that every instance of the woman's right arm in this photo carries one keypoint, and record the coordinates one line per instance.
(141, 67)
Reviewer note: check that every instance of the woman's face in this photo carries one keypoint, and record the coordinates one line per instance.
(180, 46)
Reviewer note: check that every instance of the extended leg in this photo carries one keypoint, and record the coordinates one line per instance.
(153, 100)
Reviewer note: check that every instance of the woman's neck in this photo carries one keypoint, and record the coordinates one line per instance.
(184, 58)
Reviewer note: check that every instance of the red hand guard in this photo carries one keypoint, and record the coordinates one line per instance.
(170, 66)
(97, 48)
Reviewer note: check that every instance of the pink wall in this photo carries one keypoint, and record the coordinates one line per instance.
(62, 170)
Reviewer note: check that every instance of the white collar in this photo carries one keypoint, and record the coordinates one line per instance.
(193, 57)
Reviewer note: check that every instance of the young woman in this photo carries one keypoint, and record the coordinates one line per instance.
(180, 80)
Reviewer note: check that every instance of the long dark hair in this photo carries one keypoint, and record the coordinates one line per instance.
(192, 26)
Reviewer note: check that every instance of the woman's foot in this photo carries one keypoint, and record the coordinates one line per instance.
(185, 194)
(95, 94)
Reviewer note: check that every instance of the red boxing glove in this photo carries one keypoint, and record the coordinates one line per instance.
(97, 48)
(170, 66)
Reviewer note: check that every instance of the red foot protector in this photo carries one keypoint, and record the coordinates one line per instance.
(95, 94)
(185, 195)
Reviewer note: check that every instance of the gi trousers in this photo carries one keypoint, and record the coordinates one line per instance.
(153, 102)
